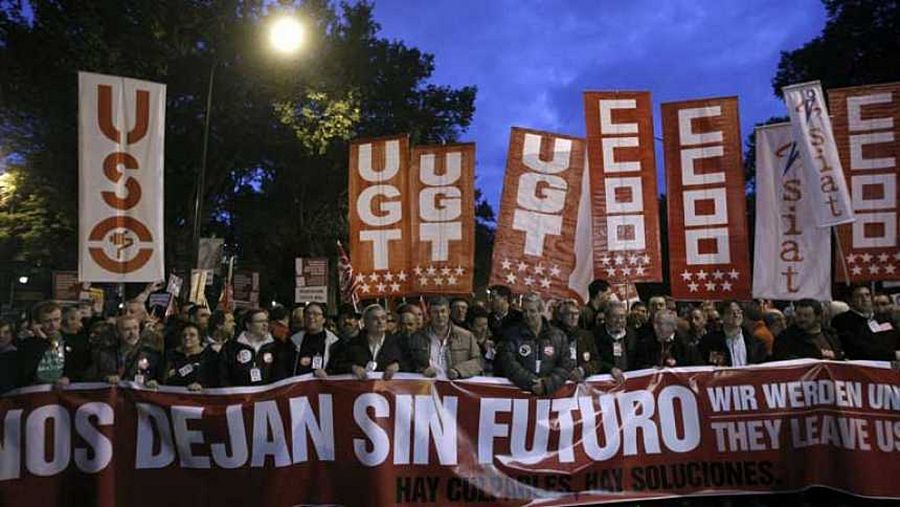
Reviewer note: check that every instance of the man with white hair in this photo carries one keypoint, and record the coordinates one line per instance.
(668, 348)
(533, 354)
(374, 349)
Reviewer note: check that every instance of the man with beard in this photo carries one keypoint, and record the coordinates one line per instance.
(806, 338)
(862, 335)
(733, 345)
(373, 350)
(444, 349)
(347, 323)
(313, 349)
(127, 358)
(533, 354)
(617, 344)
(221, 325)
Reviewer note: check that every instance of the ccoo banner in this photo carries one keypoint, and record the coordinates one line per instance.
(708, 252)
(121, 131)
(867, 133)
(788, 260)
(543, 238)
(442, 207)
(413, 441)
(623, 186)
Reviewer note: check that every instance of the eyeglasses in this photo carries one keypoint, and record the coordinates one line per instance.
(259, 321)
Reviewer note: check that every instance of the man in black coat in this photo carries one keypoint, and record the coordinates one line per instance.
(127, 358)
(668, 348)
(46, 357)
(806, 338)
(862, 334)
(252, 358)
(502, 315)
(732, 346)
(617, 343)
(374, 349)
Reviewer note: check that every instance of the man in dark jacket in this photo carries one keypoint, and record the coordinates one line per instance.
(312, 349)
(733, 345)
(533, 354)
(599, 292)
(502, 315)
(78, 350)
(9, 355)
(251, 359)
(127, 358)
(375, 350)
(806, 338)
(582, 348)
(667, 348)
(862, 334)
(45, 357)
(617, 344)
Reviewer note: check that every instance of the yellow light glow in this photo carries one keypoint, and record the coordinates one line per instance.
(286, 35)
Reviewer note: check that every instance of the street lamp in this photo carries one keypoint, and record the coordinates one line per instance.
(286, 36)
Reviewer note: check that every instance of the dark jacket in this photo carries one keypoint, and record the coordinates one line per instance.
(499, 325)
(392, 351)
(238, 360)
(141, 361)
(519, 353)
(651, 353)
(794, 343)
(9, 369)
(715, 343)
(183, 370)
(298, 356)
(860, 341)
(607, 349)
(583, 350)
(31, 351)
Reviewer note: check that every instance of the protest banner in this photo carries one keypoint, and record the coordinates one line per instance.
(121, 131)
(674, 432)
(311, 275)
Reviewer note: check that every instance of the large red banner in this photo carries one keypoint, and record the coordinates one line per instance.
(623, 186)
(543, 232)
(708, 253)
(380, 240)
(866, 122)
(442, 201)
(675, 432)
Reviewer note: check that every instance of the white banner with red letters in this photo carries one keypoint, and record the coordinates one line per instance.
(543, 241)
(812, 131)
(867, 133)
(623, 186)
(442, 205)
(121, 132)
(708, 252)
(790, 258)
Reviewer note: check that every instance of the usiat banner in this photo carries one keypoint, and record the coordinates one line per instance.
(380, 241)
(790, 258)
(413, 441)
(812, 131)
(543, 238)
(121, 133)
(866, 123)
(623, 186)
(708, 252)
(442, 210)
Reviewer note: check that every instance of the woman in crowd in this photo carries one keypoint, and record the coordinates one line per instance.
(192, 364)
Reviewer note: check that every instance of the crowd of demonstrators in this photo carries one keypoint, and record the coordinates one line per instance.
(538, 345)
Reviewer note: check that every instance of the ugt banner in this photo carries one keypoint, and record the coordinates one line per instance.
(121, 131)
(410, 441)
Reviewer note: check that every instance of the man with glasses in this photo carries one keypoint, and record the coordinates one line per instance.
(313, 349)
(251, 359)
(733, 345)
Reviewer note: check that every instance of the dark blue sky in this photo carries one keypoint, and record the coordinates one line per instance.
(531, 60)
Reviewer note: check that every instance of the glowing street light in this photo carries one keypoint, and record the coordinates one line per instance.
(23, 279)
(286, 35)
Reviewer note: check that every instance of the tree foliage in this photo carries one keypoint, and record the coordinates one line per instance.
(276, 177)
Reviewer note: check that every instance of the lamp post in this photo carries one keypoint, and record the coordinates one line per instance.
(285, 36)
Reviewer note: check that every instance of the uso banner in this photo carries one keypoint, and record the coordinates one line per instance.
(543, 238)
(623, 186)
(380, 240)
(411, 441)
(867, 132)
(790, 260)
(121, 129)
(442, 205)
(708, 252)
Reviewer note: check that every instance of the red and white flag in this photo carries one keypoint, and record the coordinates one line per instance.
(623, 187)
(348, 283)
(380, 242)
(543, 242)
(790, 258)
(867, 133)
(121, 132)
(708, 252)
(812, 132)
